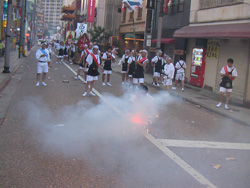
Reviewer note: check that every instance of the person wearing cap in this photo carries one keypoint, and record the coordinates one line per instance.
(180, 66)
(82, 62)
(228, 73)
(60, 49)
(157, 63)
(141, 62)
(93, 61)
(168, 73)
(107, 70)
(124, 61)
(90, 47)
(131, 66)
(42, 55)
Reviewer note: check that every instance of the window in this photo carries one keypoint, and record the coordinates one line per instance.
(139, 13)
(131, 15)
(175, 6)
(124, 15)
(211, 3)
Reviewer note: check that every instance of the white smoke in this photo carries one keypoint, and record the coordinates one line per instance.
(86, 129)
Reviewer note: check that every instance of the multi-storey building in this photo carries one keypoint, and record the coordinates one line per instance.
(221, 30)
(52, 14)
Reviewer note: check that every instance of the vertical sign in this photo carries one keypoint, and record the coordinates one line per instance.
(91, 11)
(150, 4)
(5, 7)
(213, 47)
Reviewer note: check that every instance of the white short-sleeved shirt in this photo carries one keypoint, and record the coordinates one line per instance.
(73, 49)
(179, 67)
(156, 58)
(39, 53)
(131, 59)
(104, 56)
(89, 59)
(169, 70)
(234, 73)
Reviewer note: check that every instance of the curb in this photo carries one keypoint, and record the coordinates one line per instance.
(195, 102)
(8, 77)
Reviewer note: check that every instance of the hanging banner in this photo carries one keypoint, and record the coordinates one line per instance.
(81, 29)
(91, 11)
(83, 40)
(5, 7)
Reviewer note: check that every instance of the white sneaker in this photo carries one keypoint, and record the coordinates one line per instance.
(182, 89)
(44, 83)
(37, 84)
(76, 77)
(109, 84)
(71, 63)
(85, 82)
(157, 84)
(91, 93)
(226, 107)
(56, 62)
(123, 83)
(103, 84)
(174, 88)
(218, 105)
(84, 94)
(153, 84)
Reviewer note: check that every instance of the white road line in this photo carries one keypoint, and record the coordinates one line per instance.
(185, 166)
(204, 144)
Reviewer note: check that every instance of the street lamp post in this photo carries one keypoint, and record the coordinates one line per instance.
(7, 39)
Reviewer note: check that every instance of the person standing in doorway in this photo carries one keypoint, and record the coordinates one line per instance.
(228, 73)
(180, 73)
(42, 55)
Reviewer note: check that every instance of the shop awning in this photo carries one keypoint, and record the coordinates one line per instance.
(165, 41)
(241, 30)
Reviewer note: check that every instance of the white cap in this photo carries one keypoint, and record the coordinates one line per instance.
(145, 51)
(85, 45)
(96, 47)
(90, 43)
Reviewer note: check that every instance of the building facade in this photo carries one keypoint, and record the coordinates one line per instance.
(221, 29)
(126, 38)
(52, 14)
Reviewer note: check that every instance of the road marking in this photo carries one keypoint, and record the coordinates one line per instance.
(185, 166)
(204, 144)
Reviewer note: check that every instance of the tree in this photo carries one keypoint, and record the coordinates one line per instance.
(99, 35)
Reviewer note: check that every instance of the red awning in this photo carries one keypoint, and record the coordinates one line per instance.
(165, 41)
(215, 31)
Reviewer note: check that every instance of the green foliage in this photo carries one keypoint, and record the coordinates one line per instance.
(99, 35)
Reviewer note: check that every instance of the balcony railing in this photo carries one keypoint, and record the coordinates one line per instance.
(204, 4)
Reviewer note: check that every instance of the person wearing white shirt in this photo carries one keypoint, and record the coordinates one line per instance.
(141, 62)
(131, 67)
(50, 52)
(93, 61)
(72, 50)
(42, 55)
(157, 63)
(124, 61)
(60, 49)
(228, 73)
(180, 66)
(168, 73)
(81, 64)
(107, 70)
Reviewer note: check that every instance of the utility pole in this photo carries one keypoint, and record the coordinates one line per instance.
(159, 26)
(22, 29)
(7, 39)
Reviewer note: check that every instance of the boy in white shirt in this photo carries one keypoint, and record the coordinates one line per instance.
(168, 73)
(180, 73)
(228, 73)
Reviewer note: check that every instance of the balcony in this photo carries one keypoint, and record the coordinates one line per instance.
(206, 4)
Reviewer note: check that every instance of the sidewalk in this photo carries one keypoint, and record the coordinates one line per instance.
(15, 63)
(202, 98)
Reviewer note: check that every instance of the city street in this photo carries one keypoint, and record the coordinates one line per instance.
(53, 137)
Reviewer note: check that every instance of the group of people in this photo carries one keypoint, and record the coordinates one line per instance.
(133, 66)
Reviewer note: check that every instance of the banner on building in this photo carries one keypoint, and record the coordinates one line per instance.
(91, 11)
(81, 29)
(5, 7)
(213, 47)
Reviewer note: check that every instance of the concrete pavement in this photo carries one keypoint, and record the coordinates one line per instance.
(202, 98)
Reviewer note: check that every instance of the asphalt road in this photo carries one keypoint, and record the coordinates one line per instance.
(53, 137)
